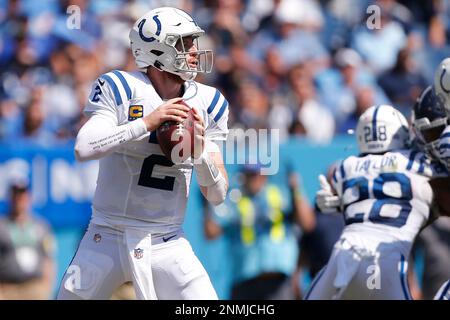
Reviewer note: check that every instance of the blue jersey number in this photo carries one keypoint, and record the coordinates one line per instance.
(98, 92)
(146, 179)
(382, 199)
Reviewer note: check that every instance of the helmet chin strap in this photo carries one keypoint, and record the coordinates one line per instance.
(186, 76)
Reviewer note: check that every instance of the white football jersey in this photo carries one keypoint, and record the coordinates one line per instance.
(386, 196)
(137, 185)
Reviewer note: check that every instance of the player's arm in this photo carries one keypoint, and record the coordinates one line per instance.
(441, 191)
(215, 182)
(208, 164)
(102, 134)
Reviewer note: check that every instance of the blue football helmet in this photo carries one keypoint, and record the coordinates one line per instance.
(429, 119)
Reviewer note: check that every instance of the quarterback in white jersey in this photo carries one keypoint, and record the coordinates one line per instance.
(385, 197)
(135, 233)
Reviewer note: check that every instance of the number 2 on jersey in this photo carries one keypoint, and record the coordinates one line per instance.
(97, 93)
(146, 179)
(403, 201)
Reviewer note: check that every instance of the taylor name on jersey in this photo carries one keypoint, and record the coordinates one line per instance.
(387, 192)
(148, 186)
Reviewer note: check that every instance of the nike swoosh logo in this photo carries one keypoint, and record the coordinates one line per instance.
(167, 239)
(102, 82)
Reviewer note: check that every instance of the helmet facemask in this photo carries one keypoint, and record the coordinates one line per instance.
(429, 121)
(429, 133)
(204, 58)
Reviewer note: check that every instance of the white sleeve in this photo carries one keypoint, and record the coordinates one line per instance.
(102, 98)
(100, 136)
(217, 122)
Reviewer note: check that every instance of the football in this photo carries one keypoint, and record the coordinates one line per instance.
(178, 135)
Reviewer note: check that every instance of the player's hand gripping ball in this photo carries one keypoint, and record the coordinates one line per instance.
(176, 139)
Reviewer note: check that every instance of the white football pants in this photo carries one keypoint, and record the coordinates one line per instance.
(104, 261)
(357, 274)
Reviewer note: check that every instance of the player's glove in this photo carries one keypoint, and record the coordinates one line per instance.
(326, 201)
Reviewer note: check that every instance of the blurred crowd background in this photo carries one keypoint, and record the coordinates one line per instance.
(281, 63)
(306, 67)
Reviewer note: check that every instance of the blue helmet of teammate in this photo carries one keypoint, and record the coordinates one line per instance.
(429, 120)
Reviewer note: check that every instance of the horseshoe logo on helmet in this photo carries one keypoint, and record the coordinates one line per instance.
(442, 83)
(158, 29)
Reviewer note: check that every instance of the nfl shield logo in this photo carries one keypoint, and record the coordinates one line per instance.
(97, 237)
(138, 253)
